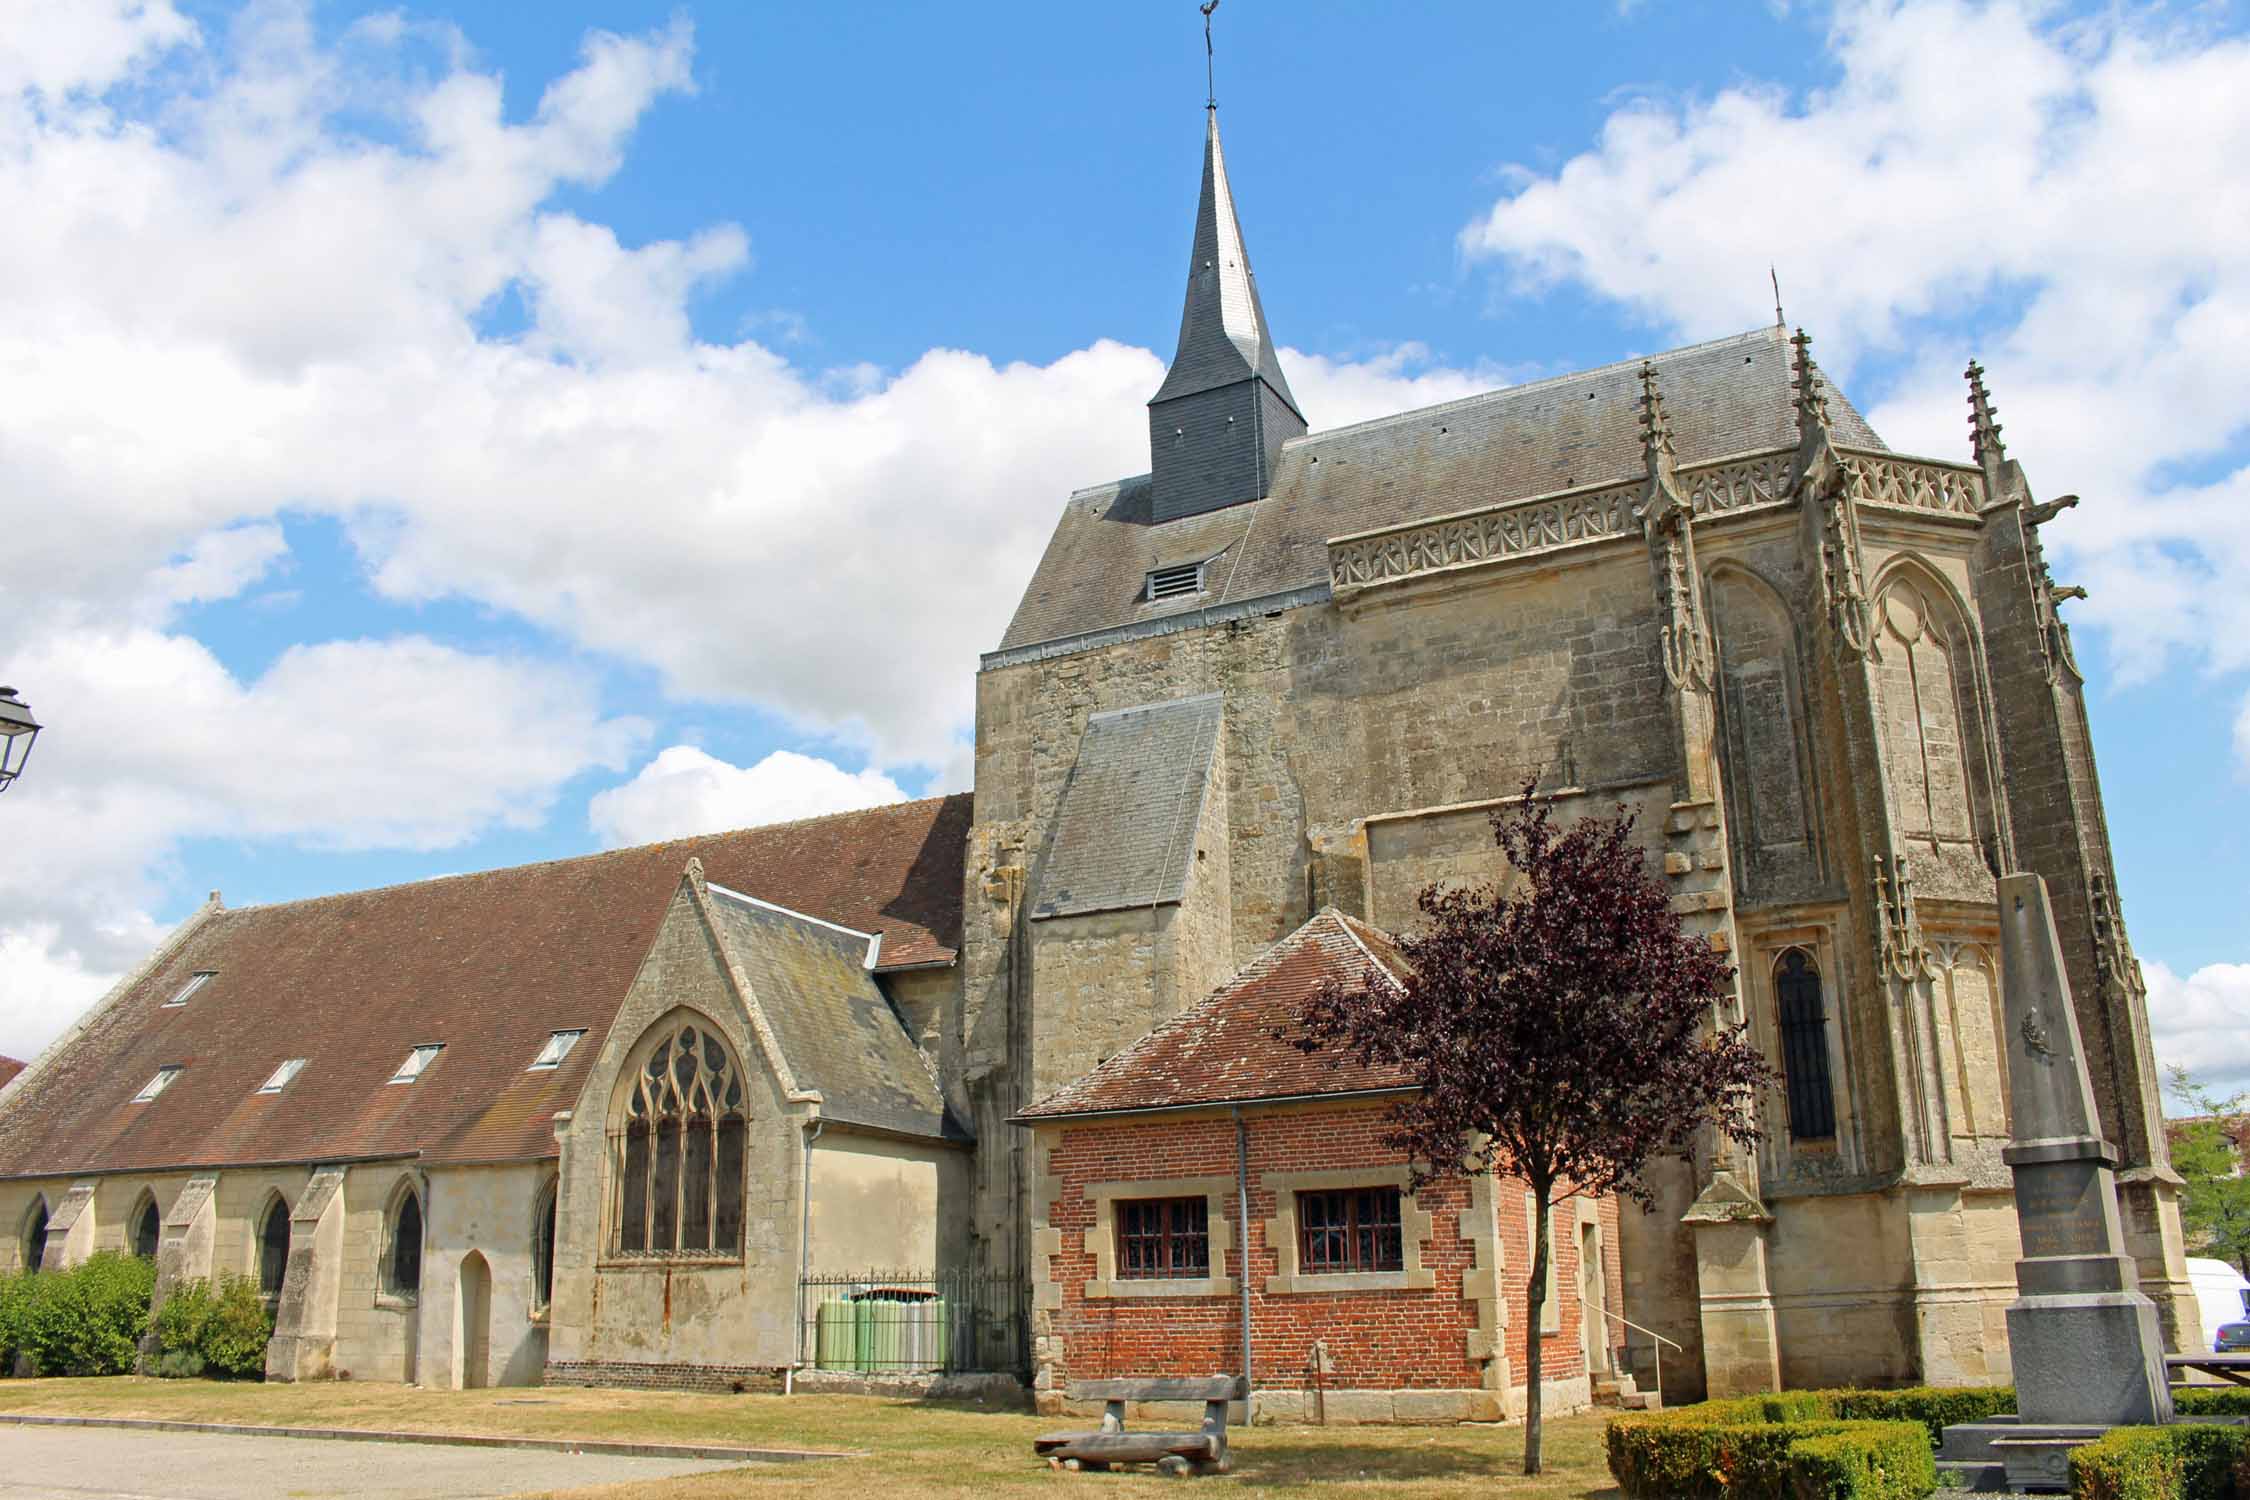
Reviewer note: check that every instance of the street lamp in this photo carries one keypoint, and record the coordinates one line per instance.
(17, 730)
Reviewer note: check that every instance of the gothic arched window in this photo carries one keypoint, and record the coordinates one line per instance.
(148, 1227)
(273, 1246)
(35, 1235)
(679, 1152)
(543, 1249)
(402, 1267)
(1804, 1047)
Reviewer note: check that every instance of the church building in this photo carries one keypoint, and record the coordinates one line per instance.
(624, 1119)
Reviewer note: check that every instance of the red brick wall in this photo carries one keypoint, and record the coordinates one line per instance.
(1376, 1340)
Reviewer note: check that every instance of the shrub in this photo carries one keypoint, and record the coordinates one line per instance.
(1935, 1407)
(86, 1320)
(2163, 1463)
(1756, 1448)
(180, 1364)
(1872, 1461)
(2211, 1400)
(16, 1292)
(223, 1326)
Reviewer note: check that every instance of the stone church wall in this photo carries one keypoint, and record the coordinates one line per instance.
(879, 1203)
(621, 1320)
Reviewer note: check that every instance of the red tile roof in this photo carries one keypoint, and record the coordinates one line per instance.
(1225, 1050)
(9, 1068)
(489, 964)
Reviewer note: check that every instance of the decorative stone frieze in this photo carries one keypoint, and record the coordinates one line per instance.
(1915, 484)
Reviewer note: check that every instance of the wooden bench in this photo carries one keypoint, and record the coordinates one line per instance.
(2228, 1367)
(1175, 1453)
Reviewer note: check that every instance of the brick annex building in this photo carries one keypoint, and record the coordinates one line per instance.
(592, 1120)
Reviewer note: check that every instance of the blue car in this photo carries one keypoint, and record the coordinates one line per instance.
(2234, 1338)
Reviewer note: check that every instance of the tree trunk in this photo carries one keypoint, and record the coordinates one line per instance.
(1535, 1307)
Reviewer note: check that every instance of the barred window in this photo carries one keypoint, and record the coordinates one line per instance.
(1164, 1237)
(1356, 1229)
(1804, 1048)
(679, 1159)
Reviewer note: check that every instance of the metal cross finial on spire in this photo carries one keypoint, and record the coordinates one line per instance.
(1210, 85)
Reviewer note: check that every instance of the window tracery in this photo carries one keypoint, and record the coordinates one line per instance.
(678, 1157)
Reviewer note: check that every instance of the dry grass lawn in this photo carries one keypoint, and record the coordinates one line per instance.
(904, 1448)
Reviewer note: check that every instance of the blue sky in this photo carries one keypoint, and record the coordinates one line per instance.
(451, 435)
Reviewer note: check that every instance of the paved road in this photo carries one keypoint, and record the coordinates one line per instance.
(92, 1463)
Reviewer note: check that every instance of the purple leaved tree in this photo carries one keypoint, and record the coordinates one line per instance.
(1564, 1029)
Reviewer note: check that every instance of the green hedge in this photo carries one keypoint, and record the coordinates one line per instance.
(212, 1329)
(1768, 1448)
(2163, 1463)
(1935, 1407)
(1864, 1461)
(2211, 1400)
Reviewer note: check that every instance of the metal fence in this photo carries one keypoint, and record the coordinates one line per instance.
(915, 1322)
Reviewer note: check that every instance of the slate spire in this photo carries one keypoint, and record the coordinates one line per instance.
(1217, 423)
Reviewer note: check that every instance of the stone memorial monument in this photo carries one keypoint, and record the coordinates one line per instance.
(2084, 1341)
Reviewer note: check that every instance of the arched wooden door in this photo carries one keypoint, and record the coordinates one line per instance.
(472, 1322)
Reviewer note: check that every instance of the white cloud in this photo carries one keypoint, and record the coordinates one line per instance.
(251, 272)
(2202, 1023)
(685, 791)
(2062, 195)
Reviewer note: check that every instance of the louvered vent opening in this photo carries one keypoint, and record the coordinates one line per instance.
(1171, 583)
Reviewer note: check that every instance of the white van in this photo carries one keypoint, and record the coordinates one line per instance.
(2218, 1294)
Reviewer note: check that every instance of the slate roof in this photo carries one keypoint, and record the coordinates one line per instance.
(489, 964)
(1223, 332)
(1225, 1050)
(837, 1031)
(1729, 396)
(1125, 830)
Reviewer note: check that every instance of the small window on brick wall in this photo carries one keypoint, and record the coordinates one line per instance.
(1163, 1237)
(1354, 1230)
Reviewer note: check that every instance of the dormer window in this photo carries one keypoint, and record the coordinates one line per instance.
(557, 1048)
(416, 1061)
(196, 981)
(1175, 582)
(281, 1076)
(157, 1085)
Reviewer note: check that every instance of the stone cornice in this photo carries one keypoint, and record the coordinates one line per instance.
(1586, 516)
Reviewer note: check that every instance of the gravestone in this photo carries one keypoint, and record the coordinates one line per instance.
(2084, 1341)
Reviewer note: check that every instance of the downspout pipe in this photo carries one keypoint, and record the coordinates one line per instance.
(1242, 1242)
(804, 1255)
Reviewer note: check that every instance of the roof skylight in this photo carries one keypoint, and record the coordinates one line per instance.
(417, 1060)
(158, 1084)
(281, 1076)
(196, 981)
(557, 1048)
